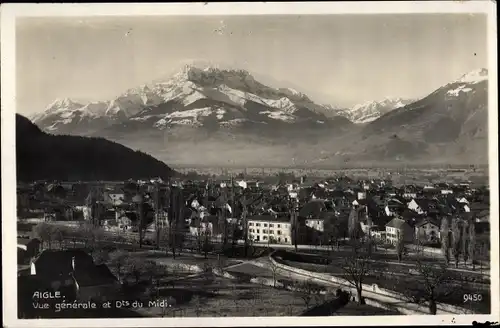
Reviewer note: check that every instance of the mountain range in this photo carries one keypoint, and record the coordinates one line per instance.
(220, 116)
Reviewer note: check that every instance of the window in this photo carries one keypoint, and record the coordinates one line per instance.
(257, 224)
(279, 239)
(279, 225)
(264, 231)
(265, 224)
(271, 225)
(264, 238)
(250, 224)
(279, 232)
(271, 232)
(258, 231)
(286, 240)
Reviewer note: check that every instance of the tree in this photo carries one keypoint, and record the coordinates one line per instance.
(274, 270)
(400, 247)
(244, 216)
(465, 241)
(45, 232)
(294, 219)
(472, 244)
(165, 238)
(157, 213)
(445, 239)
(434, 285)
(354, 227)
(455, 240)
(331, 235)
(357, 266)
(307, 291)
(100, 256)
(118, 260)
(207, 245)
(151, 270)
(136, 268)
(141, 224)
(197, 305)
(175, 216)
(59, 235)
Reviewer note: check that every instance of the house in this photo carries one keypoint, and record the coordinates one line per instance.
(312, 209)
(378, 233)
(427, 230)
(75, 270)
(393, 206)
(398, 228)
(206, 224)
(266, 228)
(115, 197)
(126, 220)
(27, 249)
(424, 206)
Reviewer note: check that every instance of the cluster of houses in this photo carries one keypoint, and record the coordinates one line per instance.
(270, 213)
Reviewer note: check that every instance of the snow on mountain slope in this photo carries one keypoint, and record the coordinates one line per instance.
(371, 110)
(231, 96)
(475, 76)
(450, 122)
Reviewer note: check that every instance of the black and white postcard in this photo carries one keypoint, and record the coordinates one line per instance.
(249, 164)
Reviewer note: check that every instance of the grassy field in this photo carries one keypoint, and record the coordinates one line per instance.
(212, 296)
(355, 309)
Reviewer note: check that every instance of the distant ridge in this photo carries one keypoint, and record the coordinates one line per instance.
(41, 156)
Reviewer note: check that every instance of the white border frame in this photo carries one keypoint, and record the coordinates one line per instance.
(9, 12)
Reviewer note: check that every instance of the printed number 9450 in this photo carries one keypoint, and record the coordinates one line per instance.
(473, 298)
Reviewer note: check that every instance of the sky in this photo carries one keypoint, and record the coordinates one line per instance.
(340, 60)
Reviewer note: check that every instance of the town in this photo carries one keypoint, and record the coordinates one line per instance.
(305, 245)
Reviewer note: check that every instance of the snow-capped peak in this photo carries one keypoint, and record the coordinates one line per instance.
(62, 103)
(371, 110)
(474, 76)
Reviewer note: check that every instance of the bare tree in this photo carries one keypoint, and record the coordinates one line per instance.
(197, 305)
(175, 216)
(152, 271)
(400, 247)
(445, 239)
(354, 227)
(294, 219)
(135, 267)
(207, 242)
(165, 238)
(221, 264)
(45, 232)
(472, 244)
(118, 260)
(274, 270)
(455, 240)
(244, 220)
(100, 256)
(307, 291)
(59, 235)
(357, 266)
(465, 241)
(434, 285)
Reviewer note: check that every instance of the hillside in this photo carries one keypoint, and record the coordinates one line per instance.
(450, 125)
(41, 156)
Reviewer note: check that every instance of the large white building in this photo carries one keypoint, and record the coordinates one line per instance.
(268, 229)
